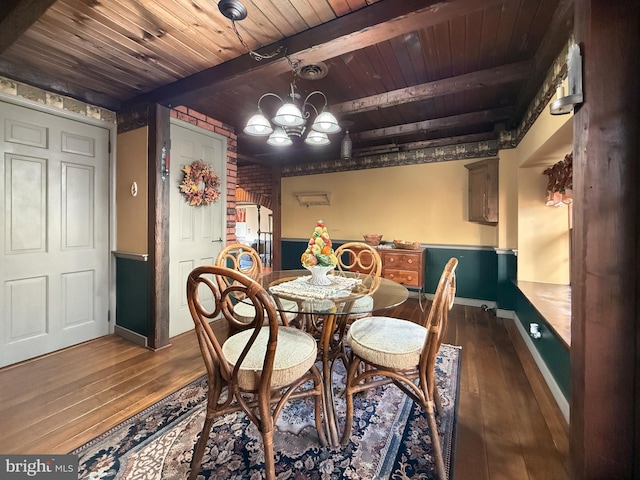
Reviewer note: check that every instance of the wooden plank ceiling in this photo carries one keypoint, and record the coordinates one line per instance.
(400, 74)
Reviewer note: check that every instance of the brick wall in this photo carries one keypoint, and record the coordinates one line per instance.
(213, 125)
(255, 185)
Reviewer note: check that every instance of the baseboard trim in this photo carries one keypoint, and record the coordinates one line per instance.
(563, 403)
(469, 302)
(559, 397)
(131, 336)
(505, 313)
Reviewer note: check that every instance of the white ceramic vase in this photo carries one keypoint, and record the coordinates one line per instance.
(319, 274)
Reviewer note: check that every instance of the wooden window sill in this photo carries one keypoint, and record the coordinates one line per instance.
(553, 303)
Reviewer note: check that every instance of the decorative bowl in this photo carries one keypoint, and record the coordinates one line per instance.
(372, 239)
(319, 274)
(403, 244)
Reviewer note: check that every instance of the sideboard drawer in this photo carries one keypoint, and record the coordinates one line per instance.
(403, 261)
(405, 277)
(406, 267)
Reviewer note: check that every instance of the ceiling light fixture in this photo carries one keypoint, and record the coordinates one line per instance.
(565, 104)
(291, 120)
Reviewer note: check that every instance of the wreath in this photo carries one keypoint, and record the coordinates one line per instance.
(199, 184)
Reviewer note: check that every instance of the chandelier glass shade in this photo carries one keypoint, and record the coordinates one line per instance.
(326, 122)
(258, 125)
(317, 138)
(279, 138)
(288, 115)
(292, 120)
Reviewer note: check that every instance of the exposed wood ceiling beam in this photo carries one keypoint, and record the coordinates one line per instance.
(488, 116)
(267, 159)
(558, 33)
(37, 78)
(441, 142)
(378, 22)
(16, 16)
(244, 159)
(491, 76)
(438, 142)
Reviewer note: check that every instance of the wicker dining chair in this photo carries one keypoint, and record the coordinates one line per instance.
(261, 368)
(365, 260)
(392, 350)
(245, 259)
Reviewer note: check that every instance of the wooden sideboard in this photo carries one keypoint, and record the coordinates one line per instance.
(406, 267)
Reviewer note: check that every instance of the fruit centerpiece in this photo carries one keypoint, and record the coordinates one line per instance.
(319, 257)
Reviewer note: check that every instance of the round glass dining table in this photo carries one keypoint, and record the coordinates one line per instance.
(325, 311)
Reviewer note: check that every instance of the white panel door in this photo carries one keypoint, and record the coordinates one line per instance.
(54, 246)
(196, 233)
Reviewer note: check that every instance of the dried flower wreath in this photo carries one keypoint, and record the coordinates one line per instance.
(200, 183)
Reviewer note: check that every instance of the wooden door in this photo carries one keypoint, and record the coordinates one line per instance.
(196, 232)
(54, 246)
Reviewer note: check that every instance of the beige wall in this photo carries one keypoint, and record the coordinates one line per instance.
(131, 212)
(539, 233)
(508, 199)
(425, 203)
(542, 232)
(428, 203)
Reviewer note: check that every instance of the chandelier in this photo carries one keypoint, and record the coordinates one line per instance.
(290, 119)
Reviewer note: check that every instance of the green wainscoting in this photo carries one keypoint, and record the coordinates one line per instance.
(131, 293)
(292, 251)
(476, 275)
(507, 271)
(554, 354)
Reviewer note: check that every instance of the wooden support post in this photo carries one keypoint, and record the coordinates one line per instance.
(158, 227)
(605, 337)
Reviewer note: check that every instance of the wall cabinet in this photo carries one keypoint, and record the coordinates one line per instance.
(483, 191)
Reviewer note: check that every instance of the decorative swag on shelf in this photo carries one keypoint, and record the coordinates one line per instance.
(559, 188)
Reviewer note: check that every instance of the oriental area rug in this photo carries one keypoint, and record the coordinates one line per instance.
(390, 438)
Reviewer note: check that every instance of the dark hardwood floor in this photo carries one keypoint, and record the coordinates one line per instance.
(509, 426)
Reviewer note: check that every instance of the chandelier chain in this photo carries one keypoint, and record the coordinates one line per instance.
(255, 55)
(295, 65)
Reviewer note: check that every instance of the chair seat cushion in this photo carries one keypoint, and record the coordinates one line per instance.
(289, 305)
(295, 354)
(388, 342)
(362, 305)
(245, 312)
